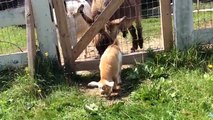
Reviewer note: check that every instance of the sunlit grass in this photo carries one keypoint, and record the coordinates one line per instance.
(203, 20)
(170, 85)
(12, 39)
(202, 5)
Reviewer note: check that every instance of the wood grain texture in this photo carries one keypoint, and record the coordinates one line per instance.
(31, 43)
(166, 24)
(64, 35)
(96, 27)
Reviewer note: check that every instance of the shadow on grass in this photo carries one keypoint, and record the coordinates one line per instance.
(7, 77)
(128, 84)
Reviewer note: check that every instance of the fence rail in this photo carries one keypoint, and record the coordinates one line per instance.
(191, 26)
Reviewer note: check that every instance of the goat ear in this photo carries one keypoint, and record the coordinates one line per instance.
(93, 84)
(118, 21)
(110, 84)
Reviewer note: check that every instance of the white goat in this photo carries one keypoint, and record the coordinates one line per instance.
(76, 23)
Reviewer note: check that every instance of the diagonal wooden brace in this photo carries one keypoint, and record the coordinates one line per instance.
(96, 27)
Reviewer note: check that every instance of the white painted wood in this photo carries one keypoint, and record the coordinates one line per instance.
(183, 23)
(15, 60)
(203, 35)
(12, 17)
(45, 27)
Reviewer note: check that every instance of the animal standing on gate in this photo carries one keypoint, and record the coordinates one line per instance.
(110, 69)
(131, 9)
(76, 23)
(75, 19)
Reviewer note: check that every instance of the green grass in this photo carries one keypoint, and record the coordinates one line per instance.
(202, 5)
(203, 19)
(151, 28)
(10, 36)
(169, 85)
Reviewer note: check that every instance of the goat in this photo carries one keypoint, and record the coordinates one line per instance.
(81, 26)
(131, 9)
(76, 24)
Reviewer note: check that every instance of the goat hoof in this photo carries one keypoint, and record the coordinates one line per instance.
(140, 43)
(135, 45)
(117, 88)
(132, 50)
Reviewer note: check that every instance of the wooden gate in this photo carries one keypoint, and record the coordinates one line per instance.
(41, 12)
(70, 55)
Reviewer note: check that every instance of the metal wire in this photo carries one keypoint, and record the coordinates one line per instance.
(149, 11)
(203, 14)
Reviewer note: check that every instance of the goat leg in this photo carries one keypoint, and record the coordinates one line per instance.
(134, 38)
(140, 36)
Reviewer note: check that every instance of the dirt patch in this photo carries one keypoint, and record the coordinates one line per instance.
(125, 44)
(128, 85)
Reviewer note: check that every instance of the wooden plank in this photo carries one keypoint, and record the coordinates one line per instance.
(12, 17)
(96, 27)
(128, 59)
(31, 43)
(183, 23)
(166, 24)
(64, 35)
(203, 35)
(15, 60)
(45, 28)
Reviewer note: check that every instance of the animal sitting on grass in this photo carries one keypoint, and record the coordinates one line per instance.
(110, 69)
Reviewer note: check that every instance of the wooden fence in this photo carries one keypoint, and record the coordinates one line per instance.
(92, 64)
(35, 14)
(40, 13)
(185, 34)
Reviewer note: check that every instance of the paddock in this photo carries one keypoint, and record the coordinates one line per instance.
(30, 27)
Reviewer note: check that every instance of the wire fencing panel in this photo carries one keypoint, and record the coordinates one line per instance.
(149, 13)
(151, 24)
(12, 32)
(203, 14)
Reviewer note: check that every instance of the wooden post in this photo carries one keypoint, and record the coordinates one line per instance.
(198, 5)
(166, 24)
(183, 21)
(31, 43)
(45, 28)
(64, 34)
(96, 27)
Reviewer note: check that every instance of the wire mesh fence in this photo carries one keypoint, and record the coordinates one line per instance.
(149, 12)
(12, 38)
(203, 14)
